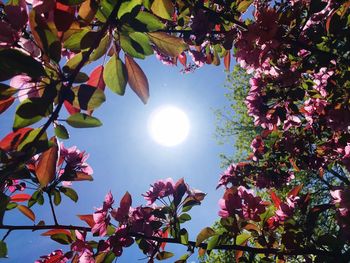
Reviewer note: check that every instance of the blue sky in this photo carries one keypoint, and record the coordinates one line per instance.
(125, 158)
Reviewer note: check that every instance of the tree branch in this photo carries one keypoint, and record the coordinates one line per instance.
(52, 209)
(286, 252)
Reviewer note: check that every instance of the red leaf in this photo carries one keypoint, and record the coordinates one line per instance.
(56, 231)
(27, 212)
(164, 235)
(13, 139)
(239, 253)
(227, 60)
(126, 201)
(137, 79)
(63, 16)
(69, 107)
(46, 168)
(183, 59)
(275, 199)
(89, 219)
(295, 191)
(6, 103)
(20, 197)
(96, 78)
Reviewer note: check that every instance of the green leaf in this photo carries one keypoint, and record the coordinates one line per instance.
(163, 8)
(87, 97)
(184, 217)
(204, 234)
(213, 241)
(115, 75)
(101, 49)
(81, 40)
(127, 7)
(56, 197)
(3, 249)
(39, 146)
(82, 120)
(145, 22)
(183, 236)
(61, 132)
(81, 78)
(164, 255)
(11, 206)
(136, 44)
(34, 198)
(240, 239)
(44, 36)
(30, 111)
(61, 238)
(69, 192)
(14, 62)
(244, 5)
(168, 44)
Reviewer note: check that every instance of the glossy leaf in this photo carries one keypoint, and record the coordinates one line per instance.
(163, 8)
(184, 217)
(96, 78)
(81, 40)
(62, 238)
(204, 234)
(87, 97)
(162, 255)
(46, 168)
(27, 212)
(136, 44)
(137, 79)
(101, 49)
(56, 231)
(89, 219)
(61, 132)
(20, 197)
(145, 22)
(115, 75)
(81, 78)
(87, 10)
(183, 236)
(82, 120)
(46, 39)
(69, 192)
(6, 91)
(244, 5)
(56, 197)
(14, 62)
(213, 241)
(168, 44)
(31, 143)
(127, 7)
(3, 249)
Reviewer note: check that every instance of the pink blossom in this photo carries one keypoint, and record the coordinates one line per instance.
(75, 159)
(159, 189)
(321, 80)
(27, 87)
(313, 108)
(84, 250)
(101, 219)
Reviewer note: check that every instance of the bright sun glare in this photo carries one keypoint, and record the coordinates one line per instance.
(168, 126)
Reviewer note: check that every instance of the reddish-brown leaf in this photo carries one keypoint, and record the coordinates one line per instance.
(137, 79)
(164, 235)
(183, 59)
(63, 16)
(20, 197)
(275, 199)
(227, 60)
(80, 176)
(27, 212)
(239, 253)
(89, 219)
(56, 231)
(13, 139)
(69, 107)
(6, 103)
(126, 201)
(96, 78)
(296, 168)
(46, 167)
(295, 191)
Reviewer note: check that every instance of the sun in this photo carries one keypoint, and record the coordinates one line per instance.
(168, 125)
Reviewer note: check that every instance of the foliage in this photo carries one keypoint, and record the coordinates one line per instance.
(296, 54)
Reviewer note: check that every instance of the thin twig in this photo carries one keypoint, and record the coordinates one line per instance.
(52, 209)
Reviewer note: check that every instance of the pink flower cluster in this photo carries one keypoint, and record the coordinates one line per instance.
(243, 203)
(341, 198)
